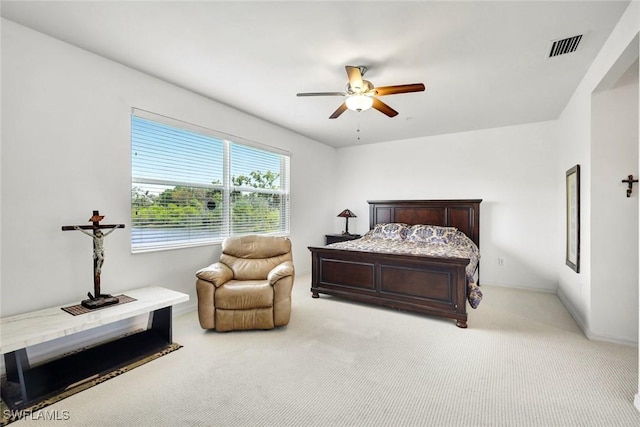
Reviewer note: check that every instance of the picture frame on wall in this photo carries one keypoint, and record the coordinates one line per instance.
(573, 218)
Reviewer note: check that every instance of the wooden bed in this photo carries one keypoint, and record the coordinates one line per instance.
(423, 284)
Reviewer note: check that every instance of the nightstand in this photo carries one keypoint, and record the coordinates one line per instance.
(334, 238)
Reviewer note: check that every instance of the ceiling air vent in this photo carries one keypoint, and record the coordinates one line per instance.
(562, 46)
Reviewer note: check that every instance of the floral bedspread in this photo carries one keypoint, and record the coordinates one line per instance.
(425, 240)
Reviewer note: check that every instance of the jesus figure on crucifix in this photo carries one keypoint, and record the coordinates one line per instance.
(98, 246)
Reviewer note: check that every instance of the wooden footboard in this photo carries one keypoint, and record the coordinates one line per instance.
(428, 285)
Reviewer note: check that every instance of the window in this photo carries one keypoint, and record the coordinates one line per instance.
(194, 186)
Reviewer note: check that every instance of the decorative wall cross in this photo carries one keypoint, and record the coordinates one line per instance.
(98, 299)
(630, 181)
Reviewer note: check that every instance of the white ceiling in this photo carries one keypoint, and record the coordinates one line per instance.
(484, 63)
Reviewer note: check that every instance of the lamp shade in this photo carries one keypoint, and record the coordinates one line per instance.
(359, 102)
(347, 214)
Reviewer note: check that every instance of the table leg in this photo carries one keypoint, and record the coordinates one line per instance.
(160, 323)
(16, 363)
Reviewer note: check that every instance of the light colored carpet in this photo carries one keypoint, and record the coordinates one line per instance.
(9, 415)
(522, 362)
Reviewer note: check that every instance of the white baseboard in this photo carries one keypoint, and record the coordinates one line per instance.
(636, 402)
(572, 311)
(613, 340)
(185, 308)
(585, 329)
(520, 287)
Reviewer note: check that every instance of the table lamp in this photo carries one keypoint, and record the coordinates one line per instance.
(346, 214)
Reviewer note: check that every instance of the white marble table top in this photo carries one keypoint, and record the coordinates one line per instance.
(36, 327)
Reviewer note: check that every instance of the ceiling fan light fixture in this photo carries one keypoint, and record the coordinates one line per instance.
(359, 102)
(362, 94)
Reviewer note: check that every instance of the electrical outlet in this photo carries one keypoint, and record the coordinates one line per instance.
(501, 261)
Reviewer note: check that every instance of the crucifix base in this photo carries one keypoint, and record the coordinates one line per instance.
(100, 301)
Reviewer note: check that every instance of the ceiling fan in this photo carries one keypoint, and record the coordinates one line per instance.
(361, 94)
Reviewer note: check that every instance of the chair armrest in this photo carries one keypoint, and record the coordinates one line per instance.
(280, 271)
(217, 273)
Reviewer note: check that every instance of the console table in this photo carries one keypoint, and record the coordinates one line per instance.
(27, 329)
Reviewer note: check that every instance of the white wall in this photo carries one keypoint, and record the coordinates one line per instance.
(614, 217)
(575, 130)
(512, 169)
(66, 152)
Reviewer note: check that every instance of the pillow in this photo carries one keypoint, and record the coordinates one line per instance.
(431, 234)
(389, 231)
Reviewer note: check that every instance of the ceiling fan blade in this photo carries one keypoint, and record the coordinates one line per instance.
(322, 94)
(384, 108)
(392, 90)
(355, 77)
(341, 109)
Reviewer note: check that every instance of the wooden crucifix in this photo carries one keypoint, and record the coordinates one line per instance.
(630, 182)
(98, 299)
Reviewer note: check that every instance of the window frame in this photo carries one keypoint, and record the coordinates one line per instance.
(227, 188)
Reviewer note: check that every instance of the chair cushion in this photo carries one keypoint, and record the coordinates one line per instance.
(253, 257)
(252, 269)
(256, 246)
(244, 294)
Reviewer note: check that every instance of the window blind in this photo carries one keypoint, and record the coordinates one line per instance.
(193, 186)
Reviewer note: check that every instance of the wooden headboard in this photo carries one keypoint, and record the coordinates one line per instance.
(462, 214)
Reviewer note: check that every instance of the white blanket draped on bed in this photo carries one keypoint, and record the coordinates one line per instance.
(425, 240)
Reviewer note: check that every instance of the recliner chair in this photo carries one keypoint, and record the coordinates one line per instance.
(250, 287)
